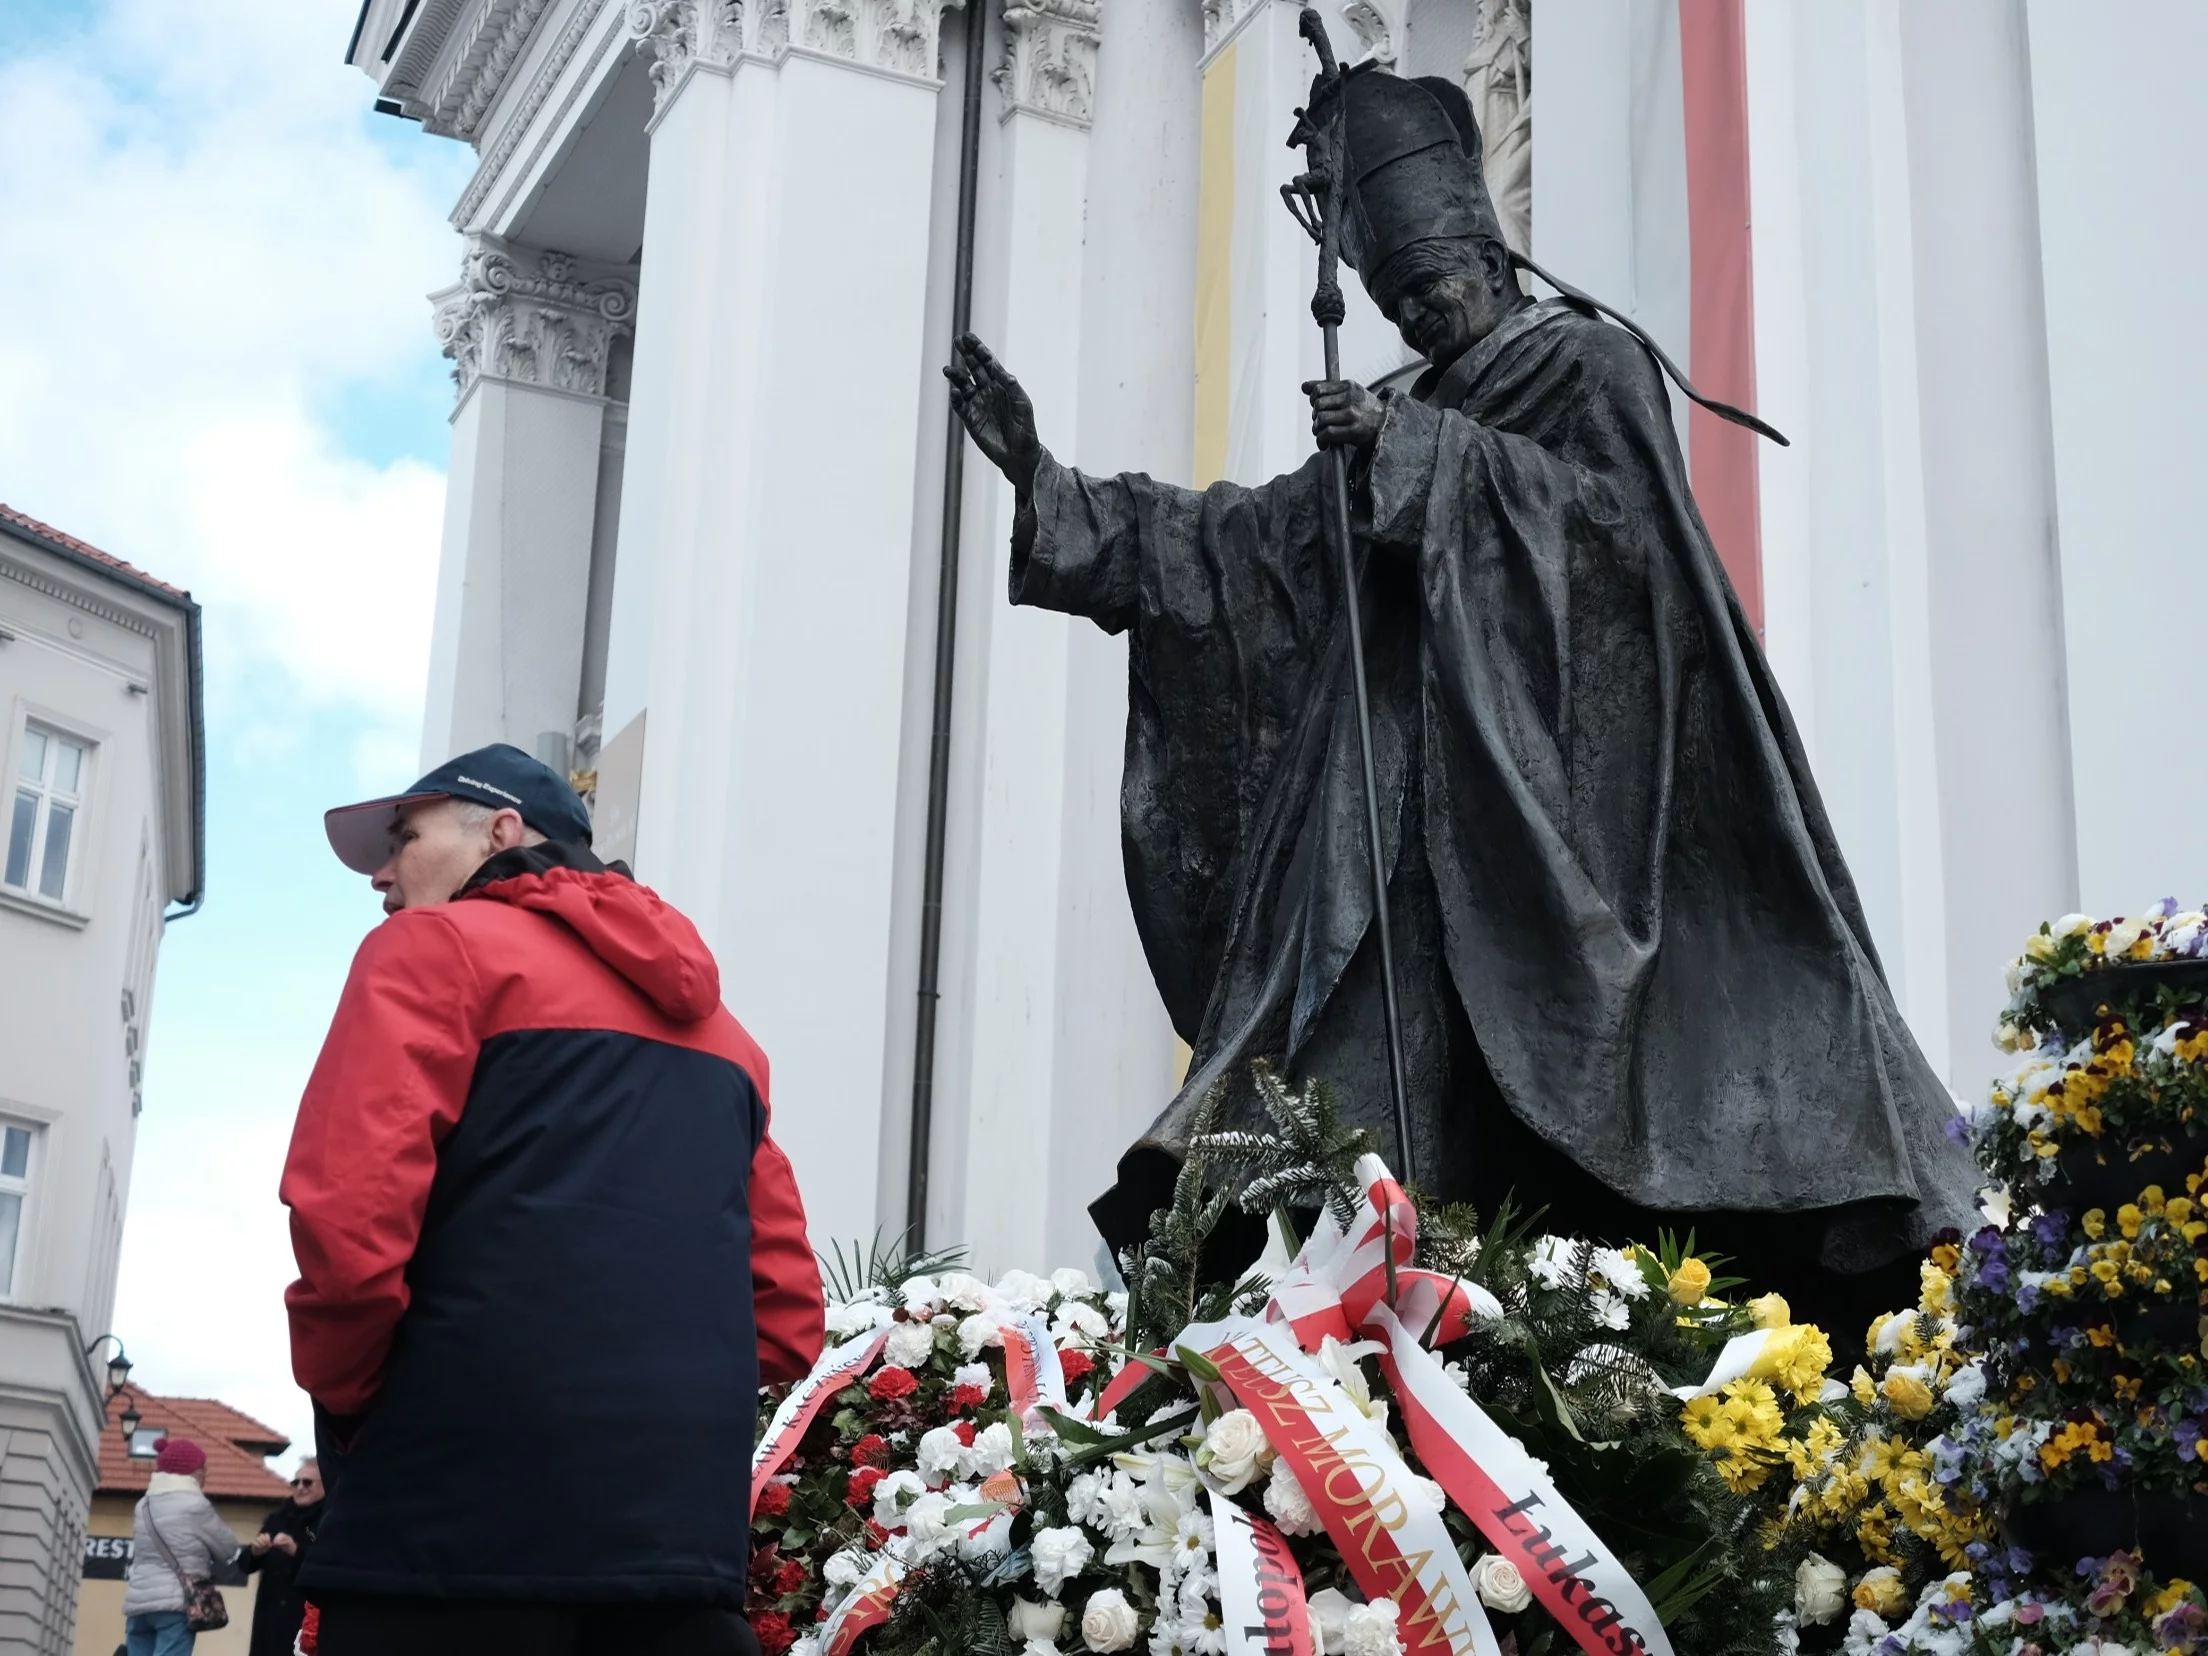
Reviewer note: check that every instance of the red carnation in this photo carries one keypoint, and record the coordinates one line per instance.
(966, 1397)
(965, 1431)
(789, 1578)
(774, 1632)
(863, 1481)
(310, 1629)
(1074, 1364)
(892, 1382)
(870, 1450)
(774, 1501)
(876, 1535)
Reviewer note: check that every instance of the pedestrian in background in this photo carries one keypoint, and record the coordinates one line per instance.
(277, 1552)
(178, 1541)
(547, 1248)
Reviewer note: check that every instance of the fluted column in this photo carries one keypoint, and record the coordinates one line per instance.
(531, 334)
(755, 665)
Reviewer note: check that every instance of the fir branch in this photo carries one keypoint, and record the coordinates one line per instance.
(1309, 1159)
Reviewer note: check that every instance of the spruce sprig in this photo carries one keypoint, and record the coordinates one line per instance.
(1310, 1157)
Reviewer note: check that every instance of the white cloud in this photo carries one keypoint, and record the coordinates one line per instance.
(208, 252)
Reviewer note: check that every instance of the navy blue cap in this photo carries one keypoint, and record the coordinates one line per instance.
(500, 776)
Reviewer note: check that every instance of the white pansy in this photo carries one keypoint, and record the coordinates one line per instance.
(1289, 1505)
(1108, 1621)
(1997, 1205)
(910, 1346)
(2123, 934)
(1060, 1555)
(978, 1332)
(2182, 934)
(1030, 1620)
(1500, 1586)
(1235, 1451)
(2070, 925)
(1371, 1630)
(991, 1452)
(848, 1322)
(1329, 1609)
(1025, 1291)
(1620, 1271)
(1820, 1590)
(975, 1374)
(941, 1453)
(1075, 1320)
(893, 1494)
(1069, 1281)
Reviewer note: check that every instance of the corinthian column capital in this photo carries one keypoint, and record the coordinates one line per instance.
(533, 317)
(1049, 63)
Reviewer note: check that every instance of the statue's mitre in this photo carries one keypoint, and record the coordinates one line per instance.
(1411, 161)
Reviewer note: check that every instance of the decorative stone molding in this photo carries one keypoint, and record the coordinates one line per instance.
(1220, 18)
(457, 57)
(1049, 64)
(533, 318)
(900, 36)
(1378, 25)
(1499, 78)
(492, 167)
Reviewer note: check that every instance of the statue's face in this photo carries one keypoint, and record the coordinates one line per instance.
(1444, 296)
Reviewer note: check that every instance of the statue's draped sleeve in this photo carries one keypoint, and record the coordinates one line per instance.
(1229, 600)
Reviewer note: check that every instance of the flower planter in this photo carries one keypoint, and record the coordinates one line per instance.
(2101, 1173)
(2158, 1325)
(2169, 1531)
(2074, 1003)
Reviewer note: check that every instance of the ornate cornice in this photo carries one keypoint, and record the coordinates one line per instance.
(1049, 63)
(1378, 25)
(457, 58)
(533, 317)
(493, 165)
(896, 36)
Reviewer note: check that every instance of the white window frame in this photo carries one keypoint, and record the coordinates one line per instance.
(77, 881)
(26, 1187)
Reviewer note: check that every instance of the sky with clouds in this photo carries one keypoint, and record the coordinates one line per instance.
(216, 362)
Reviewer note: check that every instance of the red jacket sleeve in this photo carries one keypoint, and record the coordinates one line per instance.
(786, 1302)
(389, 1085)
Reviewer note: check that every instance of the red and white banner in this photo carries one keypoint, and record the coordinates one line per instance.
(1033, 1375)
(837, 1367)
(872, 1596)
(1261, 1596)
(1394, 1545)
(1495, 1483)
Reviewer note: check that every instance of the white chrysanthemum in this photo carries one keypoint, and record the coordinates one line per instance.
(1551, 1261)
(910, 1346)
(1193, 1539)
(1620, 1273)
(1610, 1310)
(1059, 1555)
(1289, 1504)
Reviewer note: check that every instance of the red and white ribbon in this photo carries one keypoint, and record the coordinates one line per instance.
(1033, 1375)
(837, 1367)
(1261, 1596)
(872, 1597)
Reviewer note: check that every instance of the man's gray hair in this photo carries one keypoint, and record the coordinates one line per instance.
(474, 815)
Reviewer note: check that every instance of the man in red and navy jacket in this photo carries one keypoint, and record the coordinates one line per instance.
(547, 1248)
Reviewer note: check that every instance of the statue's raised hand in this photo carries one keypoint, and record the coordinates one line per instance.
(995, 411)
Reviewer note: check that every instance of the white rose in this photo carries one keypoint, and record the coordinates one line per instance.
(991, 1452)
(1329, 1608)
(1289, 1505)
(1500, 1586)
(1060, 1555)
(1234, 1451)
(1070, 1282)
(893, 1494)
(1108, 1621)
(975, 1374)
(1025, 1291)
(910, 1346)
(1820, 1590)
(978, 1331)
(1030, 1620)
(1371, 1630)
(941, 1454)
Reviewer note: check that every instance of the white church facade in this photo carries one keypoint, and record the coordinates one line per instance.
(696, 526)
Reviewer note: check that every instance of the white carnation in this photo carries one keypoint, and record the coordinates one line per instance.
(961, 1292)
(928, 1525)
(893, 1494)
(1371, 1630)
(847, 1322)
(1077, 1320)
(941, 1454)
(1060, 1555)
(1329, 1610)
(1109, 1622)
(975, 1374)
(977, 1332)
(920, 1295)
(910, 1346)
(1500, 1586)
(1025, 1291)
(987, 1544)
(991, 1452)
(1070, 1282)
(844, 1569)
(1820, 1590)
(1289, 1505)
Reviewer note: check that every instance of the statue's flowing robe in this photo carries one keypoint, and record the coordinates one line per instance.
(1618, 904)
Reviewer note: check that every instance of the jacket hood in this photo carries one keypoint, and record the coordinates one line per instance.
(623, 923)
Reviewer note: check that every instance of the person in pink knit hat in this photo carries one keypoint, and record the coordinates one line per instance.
(177, 1538)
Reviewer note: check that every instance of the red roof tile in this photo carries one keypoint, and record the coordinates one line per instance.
(235, 1444)
(23, 520)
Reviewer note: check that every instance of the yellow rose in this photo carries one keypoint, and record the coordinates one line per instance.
(1865, 1388)
(1880, 1592)
(1691, 1282)
(1906, 1395)
(1770, 1311)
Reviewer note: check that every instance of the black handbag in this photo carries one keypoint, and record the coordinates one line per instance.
(204, 1608)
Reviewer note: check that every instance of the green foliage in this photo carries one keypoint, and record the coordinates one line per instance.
(1310, 1158)
(848, 1273)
